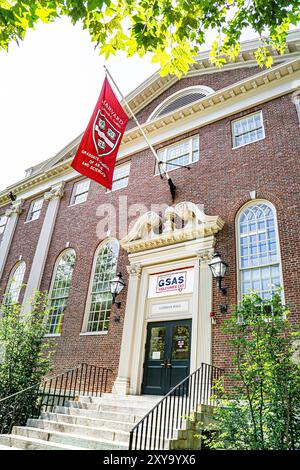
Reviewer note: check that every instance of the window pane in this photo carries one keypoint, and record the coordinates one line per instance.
(182, 153)
(15, 284)
(101, 298)
(60, 291)
(259, 260)
(35, 209)
(248, 129)
(121, 177)
(80, 191)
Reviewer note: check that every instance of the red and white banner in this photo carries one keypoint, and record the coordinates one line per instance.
(97, 151)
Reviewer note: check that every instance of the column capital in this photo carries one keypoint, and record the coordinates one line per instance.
(134, 270)
(55, 192)
(14, 209)
(205, 255)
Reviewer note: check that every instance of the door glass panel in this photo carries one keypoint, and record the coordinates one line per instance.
(157, 343)
(180, 342)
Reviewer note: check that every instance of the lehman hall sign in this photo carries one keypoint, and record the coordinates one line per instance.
(171, 282)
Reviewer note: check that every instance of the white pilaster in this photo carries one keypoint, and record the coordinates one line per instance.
(41, 252)
(204, 343)
(122, 383)
(13, 215)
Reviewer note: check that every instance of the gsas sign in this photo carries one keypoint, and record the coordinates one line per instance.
(171, 282)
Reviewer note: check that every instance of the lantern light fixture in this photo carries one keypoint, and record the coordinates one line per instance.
(117, 284)
(218, 270)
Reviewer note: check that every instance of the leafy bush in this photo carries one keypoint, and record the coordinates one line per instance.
(260, 407)
(25, 358)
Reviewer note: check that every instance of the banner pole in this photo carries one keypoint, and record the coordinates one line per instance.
(137, 123)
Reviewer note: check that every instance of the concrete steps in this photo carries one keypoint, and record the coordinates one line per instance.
(89, 423)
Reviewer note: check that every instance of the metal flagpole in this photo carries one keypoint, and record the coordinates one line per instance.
(141, 129)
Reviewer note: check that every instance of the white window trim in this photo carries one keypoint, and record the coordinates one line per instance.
(237, 237)
(184, 91)
(30, 210)
(157, 173)
(2, 234)
(10, 278)
(240, 119)
(73, 195)
(124, 187)
(50, 335)
(297, 105)
(84, 331)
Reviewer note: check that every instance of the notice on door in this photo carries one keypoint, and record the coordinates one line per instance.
(171, 283)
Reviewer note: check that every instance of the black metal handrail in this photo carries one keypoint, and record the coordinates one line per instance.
(50, 392)
(161, 422)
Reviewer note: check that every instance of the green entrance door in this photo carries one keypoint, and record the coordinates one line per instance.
(167, 359)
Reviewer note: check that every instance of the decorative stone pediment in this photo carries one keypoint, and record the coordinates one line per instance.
(186, 221)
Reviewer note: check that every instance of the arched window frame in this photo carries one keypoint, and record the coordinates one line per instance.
(184, 91)
(89, 296)
(11, 279)
(54, 274)
(238, 243)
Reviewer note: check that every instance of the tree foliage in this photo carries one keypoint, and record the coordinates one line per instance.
(172, 30)
(261, 410)
(25, 359)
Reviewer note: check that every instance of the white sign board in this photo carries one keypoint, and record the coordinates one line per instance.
(170, 307)
(171, 283)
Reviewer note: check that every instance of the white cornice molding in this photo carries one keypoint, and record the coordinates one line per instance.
(266, 85)
(155, 84)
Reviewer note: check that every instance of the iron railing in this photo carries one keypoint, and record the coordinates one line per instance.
(54, 391)
(161, 422)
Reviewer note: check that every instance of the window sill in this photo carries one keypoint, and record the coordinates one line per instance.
(93, 333)
(77, 203)
(52, 335)
(32, 220)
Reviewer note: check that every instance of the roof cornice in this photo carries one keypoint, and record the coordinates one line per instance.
(155, 84)
(259, 81)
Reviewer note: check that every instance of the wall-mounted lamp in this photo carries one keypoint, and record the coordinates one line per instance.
(116, 286)
(218, 270)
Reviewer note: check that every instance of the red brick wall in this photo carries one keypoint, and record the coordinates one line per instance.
(24, 243)
(221, 180)
(216, 81)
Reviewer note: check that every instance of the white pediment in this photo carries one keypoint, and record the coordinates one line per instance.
(183, 222)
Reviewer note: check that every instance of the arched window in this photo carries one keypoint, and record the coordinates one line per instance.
(59, 291)
(180, 99)
(14, 284)
(100, 299)
(258, 245)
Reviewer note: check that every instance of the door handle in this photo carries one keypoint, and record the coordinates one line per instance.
(167, 364)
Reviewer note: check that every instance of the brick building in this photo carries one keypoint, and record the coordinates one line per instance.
(237, 129)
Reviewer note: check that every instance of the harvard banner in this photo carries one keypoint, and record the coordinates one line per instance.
(97, 152)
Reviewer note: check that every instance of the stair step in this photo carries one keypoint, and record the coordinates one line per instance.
(87, 421)
(110, 415)
(13, 441)
(109, 434)
(2, 447)
(122, 408)
(55, 437)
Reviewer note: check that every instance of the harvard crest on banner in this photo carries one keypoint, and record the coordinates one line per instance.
(97, 151)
